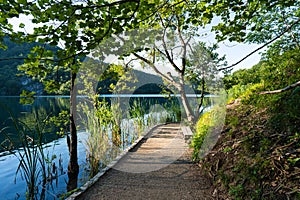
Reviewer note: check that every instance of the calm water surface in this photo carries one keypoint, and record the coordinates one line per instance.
(13, 186)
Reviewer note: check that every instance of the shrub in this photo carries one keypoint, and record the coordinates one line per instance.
(207, 129)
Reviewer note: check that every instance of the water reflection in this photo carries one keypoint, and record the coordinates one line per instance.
(42, 108)
(56, 149)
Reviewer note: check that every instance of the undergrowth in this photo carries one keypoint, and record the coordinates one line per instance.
(258, 154)
(206, 131)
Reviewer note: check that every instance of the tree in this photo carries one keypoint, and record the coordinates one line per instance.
(8, 11)
(272, 23)
(77, 27)
(261, 22)
(172, 43)
(249, 21)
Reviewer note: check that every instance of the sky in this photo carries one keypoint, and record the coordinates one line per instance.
(235, 52)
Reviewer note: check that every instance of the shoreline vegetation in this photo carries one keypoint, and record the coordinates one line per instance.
(251, 160)
(107, 138)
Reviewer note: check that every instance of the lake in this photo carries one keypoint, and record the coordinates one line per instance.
(41, 108)
(13, 186)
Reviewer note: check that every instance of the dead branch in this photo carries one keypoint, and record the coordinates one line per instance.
(281, 90)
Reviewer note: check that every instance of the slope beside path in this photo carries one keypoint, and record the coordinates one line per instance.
(158, 167)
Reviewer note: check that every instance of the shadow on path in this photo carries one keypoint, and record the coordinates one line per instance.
(159, 167)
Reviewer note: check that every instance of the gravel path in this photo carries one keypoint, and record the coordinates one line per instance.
(159, 167)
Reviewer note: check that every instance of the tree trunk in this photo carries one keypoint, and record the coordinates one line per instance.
(73, 167)
(186, 105)
(198, 111)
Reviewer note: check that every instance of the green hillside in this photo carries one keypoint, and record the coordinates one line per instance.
(12, 82)
(258, 153)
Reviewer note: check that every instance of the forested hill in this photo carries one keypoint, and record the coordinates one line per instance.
(11, 82)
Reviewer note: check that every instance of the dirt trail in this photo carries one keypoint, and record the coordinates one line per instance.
(159, 167)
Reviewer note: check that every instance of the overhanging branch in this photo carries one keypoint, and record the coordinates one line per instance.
(261, 47)
(281, 90)
(150, 64)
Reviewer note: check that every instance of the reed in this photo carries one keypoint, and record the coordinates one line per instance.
(97, 144)
(137, 112)
(32, 162)
(116, 120)
(173, 110)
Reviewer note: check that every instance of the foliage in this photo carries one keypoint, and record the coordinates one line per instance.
(137, 112)
(253, 158)
(205, 128)
(61, 121)
(251, 21)
(27, 97)
(202, 127)
(78, 27)
(280, 69)
(257, 153)
(243, 77)
(192, 63)
(116, 122)
(9, 10)
(277, 70)
(173, 109)
(81, 26)
(97, 142)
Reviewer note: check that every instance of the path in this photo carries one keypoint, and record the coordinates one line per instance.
(158, 167)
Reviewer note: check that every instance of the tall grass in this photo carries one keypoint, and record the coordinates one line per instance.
(174, 111)
(108, 131)
(116, 120)
(32, 161)
(137, 112)
(96, 125)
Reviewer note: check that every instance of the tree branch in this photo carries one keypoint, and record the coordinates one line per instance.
(259, 48)
(167, 52)
(281, 90)
(160, 7)
(106, 5)
(184, 44)
(152, 65)
(83, 52)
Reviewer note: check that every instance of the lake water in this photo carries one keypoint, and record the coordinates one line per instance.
(10, 107)
(13, 186)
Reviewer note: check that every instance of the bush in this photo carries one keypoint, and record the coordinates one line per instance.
(207, 129)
